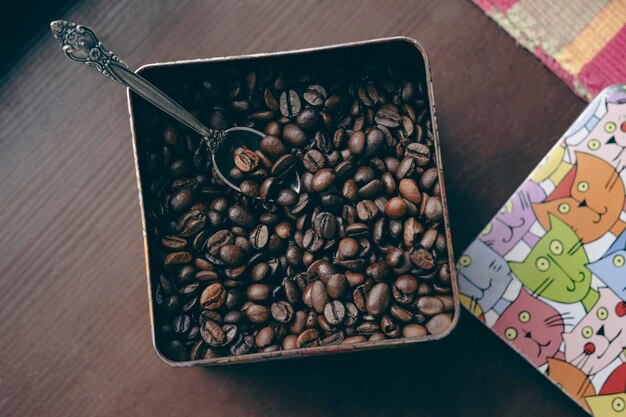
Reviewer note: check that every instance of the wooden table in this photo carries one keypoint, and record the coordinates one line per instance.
(74, 328)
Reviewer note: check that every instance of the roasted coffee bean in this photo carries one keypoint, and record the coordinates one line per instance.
(213, 297)
(246, 160)
(283, 165)
(191, 223)
(177, 258)
(367, 210)
(287, 197)
(325, 225)
(433, 209)
(256, 313)
(319, 296)
(181, 200)
(422, 258)
(249, 188)
(293, 135)
(282, 312)
(388, 116)
(315, 95)
(414, 330)
(290, 103)
(430, 306)
(258, 292)
(396, 208)
(240, 216)
(264, 337)
(439, 324)
(334, 312)
(314, 160)
(323, 179)
(212, 333)
(404, 289)
(308, 118)
(173, 243)
(308, 338)
(273, 147)
(378, 299)
(259, 237)
(231, 254)
(356, 143)
(242, 345)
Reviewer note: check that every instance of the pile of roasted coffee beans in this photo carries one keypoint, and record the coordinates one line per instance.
(359, 255)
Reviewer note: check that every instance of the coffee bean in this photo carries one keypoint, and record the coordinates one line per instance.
(433, 210)
(273, 147)
(290, 103)
(213, 334)
(242, 345)
(414, 330)
(396, 208)
(191, 223)
(175, 243)
(293, 135)
(439, 324)
(422, 258)
(325, 225)
(323, 179)
(256, 313)
(287, 197)
(264, 337)
(213, 297)
(315, 95)
(308, 338)
(247, 160)
(356, 144)
(378, 299)
(308, 118)
(282, 312)
(177, 258)
(430, 306)
(334, 312)
(240, 216)
(319, 296)
(366, 210)
(314, 160)
(258, 292)
(388, 116)
(352, 340)
(348, 248)
(410, 191)
(249, 188)
(283, 165)
(428, 178)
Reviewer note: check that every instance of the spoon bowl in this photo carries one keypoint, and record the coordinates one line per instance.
(223, 155)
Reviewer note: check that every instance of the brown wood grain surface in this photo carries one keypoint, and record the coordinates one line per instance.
(74, 327)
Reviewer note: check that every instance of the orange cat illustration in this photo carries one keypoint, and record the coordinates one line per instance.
(590, 200)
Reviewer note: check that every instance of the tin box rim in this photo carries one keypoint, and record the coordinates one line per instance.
(320, 350)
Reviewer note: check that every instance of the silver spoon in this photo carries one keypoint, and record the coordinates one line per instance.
(81, 44)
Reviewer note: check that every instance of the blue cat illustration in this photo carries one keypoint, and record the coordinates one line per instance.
(611, 268)
(484, 277)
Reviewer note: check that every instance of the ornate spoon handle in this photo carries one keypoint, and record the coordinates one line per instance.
(81, 44)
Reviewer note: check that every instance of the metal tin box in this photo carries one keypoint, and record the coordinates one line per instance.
(172, 75)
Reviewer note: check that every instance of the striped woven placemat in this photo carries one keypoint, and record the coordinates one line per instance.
(582, 41)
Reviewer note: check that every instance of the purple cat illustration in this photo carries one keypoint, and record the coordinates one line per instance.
(514, 220)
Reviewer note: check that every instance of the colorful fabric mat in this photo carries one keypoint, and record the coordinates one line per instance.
(581, 41)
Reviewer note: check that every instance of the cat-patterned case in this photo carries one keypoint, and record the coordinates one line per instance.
(548, 273)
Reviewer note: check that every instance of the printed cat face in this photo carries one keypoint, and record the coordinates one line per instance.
(555, 267)
(572, 380)
(611, 269)
(607, 140)
(607, 405)
(594, 202)
(600, 337)
(483, 275)
(513, 220)
(532, 326)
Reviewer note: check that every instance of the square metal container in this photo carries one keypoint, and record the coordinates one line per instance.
(163, 74)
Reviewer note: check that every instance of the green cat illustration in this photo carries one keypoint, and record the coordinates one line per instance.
(555, 268)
